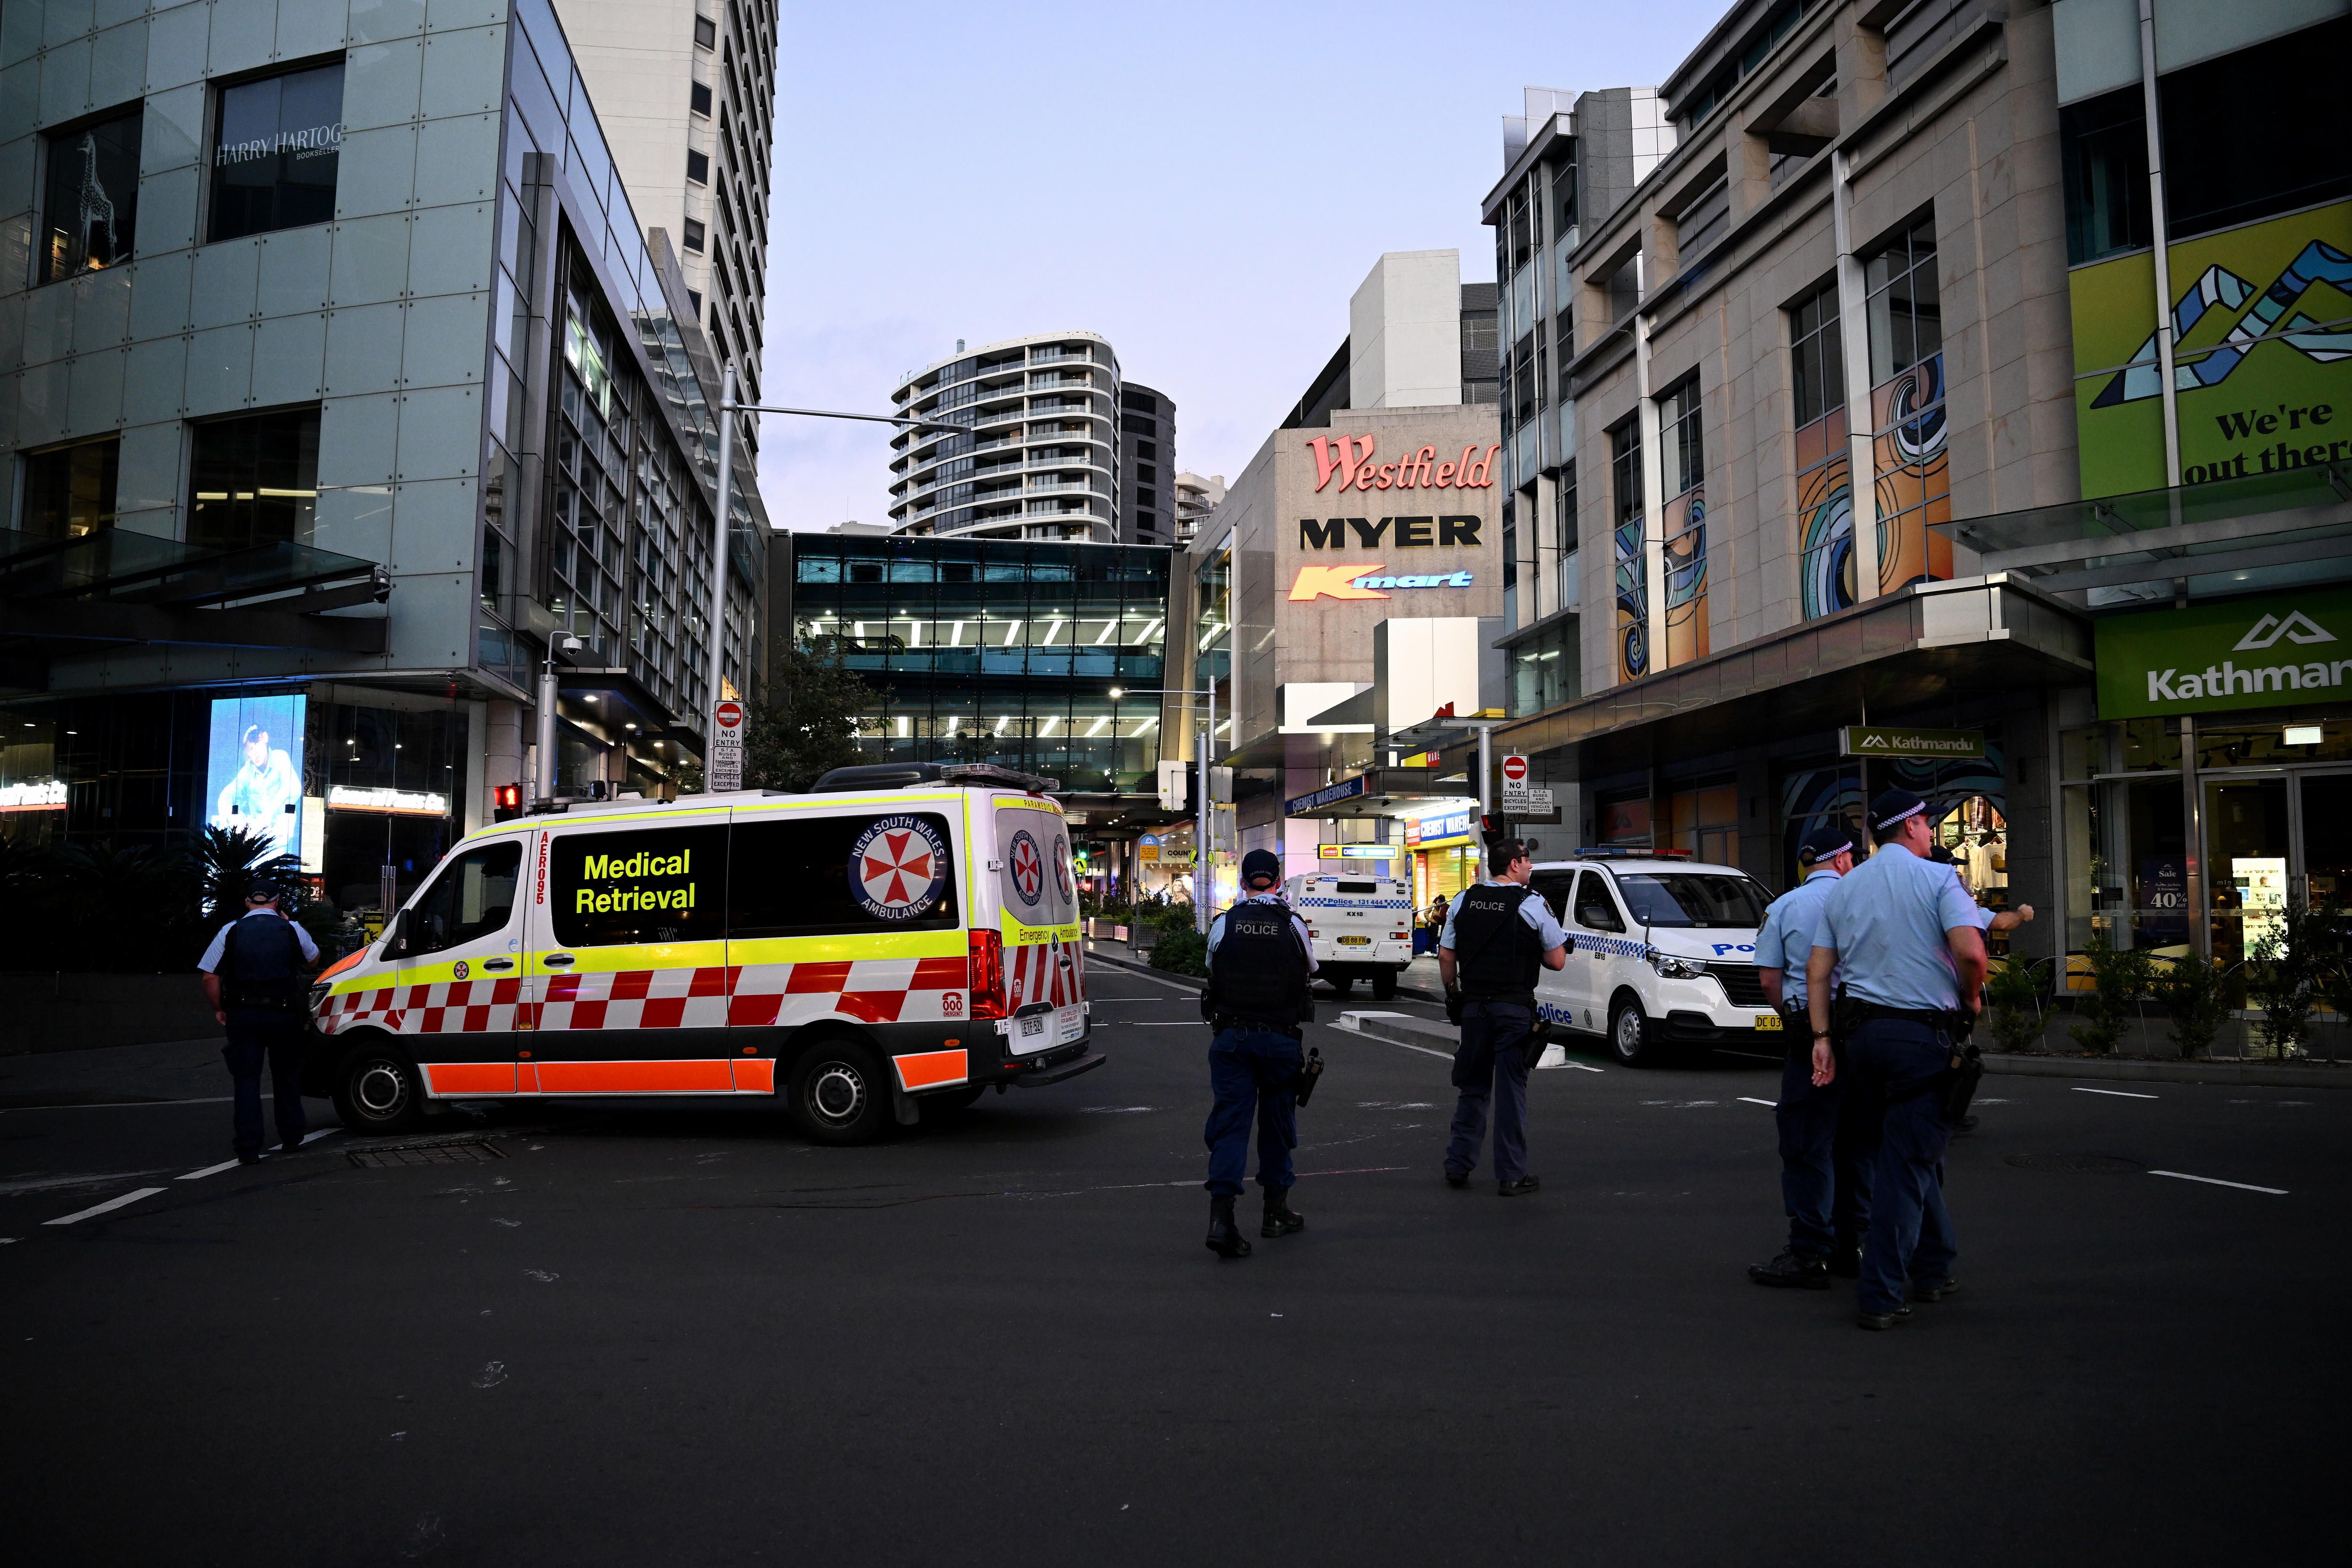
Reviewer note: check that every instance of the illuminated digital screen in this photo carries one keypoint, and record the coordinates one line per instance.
(254, 778)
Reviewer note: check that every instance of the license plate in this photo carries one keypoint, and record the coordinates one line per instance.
(1033, 1026)
(1355, 941)
(1767, 1021)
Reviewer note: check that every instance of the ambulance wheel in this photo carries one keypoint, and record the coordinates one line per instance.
(377, 1092)
(1384, 985)
(841, 1092)
(1629, 1034)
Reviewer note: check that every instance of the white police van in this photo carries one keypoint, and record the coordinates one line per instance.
(1664, 953)
(1362, 927)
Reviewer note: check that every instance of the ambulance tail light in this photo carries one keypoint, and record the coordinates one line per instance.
(989, 999)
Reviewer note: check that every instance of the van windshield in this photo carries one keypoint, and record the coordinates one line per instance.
(1701, 899)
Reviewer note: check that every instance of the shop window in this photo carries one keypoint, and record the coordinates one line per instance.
(1704, 823)
(474, 896)
(660, 885)
(91, 206)
(2255, 132)
(2103, 150)
(275, 152)
(1825, 464)
(1912, 464)
(69, 490)
(255, 480)
(1623, 820)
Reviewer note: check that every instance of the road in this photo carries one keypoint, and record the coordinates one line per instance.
(626, 1335)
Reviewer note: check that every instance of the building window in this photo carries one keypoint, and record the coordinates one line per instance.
(694, 234)
(697, 167)
(2251, 134)
(706, 33)
(1911, 463)
(69, 490)
(1568, 540)
(93, 199)
(1632, 583)
(1147, 500)
(2102, 149)
(693, 298)
(1702, 222)
(1825, 473)
(699, 98)
(255, 480)
(1149, 451)
(275, 152)
(1683, 523)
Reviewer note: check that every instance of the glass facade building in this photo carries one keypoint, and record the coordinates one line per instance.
(995, 650)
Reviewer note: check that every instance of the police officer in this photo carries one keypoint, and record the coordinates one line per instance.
(254, 981)
(1825, 1175)
(1902, 934)
(1496, 936)
(1260, 960)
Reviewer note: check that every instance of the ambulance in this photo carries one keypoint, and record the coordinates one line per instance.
(1362, 927)
(901, 938)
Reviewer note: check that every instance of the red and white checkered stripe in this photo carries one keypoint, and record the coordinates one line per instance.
(447, 1007)
(872, 990)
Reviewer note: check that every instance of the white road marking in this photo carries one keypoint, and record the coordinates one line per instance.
(109, 1206)
(208, 1171)
(2208, 1181)
(2118, 1093)
(1113, 1110)
(1751, 1100)
(1582, 1067)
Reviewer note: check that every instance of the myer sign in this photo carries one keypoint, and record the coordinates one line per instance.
(2272, 652)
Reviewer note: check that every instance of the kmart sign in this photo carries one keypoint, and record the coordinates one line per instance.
(2272, 652)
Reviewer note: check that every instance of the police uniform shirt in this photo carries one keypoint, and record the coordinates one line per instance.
(1297, 927)
(1532, 910)
(211, 962)
(1887, 919)
(1789, 924)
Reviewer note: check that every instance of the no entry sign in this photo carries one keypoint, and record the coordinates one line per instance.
(726, 769)
(1515, 772)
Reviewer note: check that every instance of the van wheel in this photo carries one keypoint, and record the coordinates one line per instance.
(841, 1092)
(1629, 1034)
(377, 1092)
(1338, 984)
(1384, 985)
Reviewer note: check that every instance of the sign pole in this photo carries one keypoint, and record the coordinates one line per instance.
(1201, 878)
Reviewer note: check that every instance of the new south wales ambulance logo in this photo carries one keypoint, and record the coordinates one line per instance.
(897, 868)
(1028, 869)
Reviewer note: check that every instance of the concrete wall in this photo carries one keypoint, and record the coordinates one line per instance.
(1404, 332)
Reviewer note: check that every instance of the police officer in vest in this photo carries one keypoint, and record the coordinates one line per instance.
(1902, 935)
(254, 981)
(1825, 1171)
(1497, 935)
(1260, 959)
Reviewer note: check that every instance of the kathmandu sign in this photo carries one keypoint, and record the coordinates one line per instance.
(1348, 460)
(2278, 651)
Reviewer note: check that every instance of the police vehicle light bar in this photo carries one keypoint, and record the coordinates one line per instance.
(989, 772)
(1623, 854)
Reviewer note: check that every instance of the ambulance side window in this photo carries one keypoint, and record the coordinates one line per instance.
(804, 874)
(1595, 910)
(633, 887)
(472, 898)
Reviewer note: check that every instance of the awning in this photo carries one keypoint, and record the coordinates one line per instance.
(1902, 650)
(1376, 791)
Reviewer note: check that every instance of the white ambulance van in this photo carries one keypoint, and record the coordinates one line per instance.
(1362, 926)
(902, 935)
(1664, 955)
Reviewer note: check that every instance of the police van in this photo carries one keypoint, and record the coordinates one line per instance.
(1663, 956)
(1362, 927)
(902, 936)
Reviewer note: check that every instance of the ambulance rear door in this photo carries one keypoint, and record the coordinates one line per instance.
(629, 934)
(1038, 890)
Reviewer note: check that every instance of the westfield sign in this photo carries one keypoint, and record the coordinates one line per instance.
(1348, 460)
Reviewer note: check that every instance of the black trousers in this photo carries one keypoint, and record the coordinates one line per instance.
(254, 1037)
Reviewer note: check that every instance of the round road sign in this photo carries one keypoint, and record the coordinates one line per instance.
(1515, 769)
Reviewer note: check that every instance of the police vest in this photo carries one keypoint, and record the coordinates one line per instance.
(1497, 955)
(261, 966)
(1259, 973)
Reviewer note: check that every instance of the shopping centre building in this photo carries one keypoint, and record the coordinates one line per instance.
(337, 379)
(2091, 599)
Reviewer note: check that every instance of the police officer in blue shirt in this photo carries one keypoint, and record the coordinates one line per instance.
(1496, 935)
(1903, 936)
(253, 979)
(1260, 960)
(1825, 1171)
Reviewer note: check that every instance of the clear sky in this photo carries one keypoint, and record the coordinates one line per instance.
(1202, 183)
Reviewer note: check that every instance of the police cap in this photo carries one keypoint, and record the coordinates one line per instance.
(263, 891)
(1892, 806)
(1260, 863)
(1826, 842)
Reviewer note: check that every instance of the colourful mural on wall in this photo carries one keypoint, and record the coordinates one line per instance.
(1914, 475)
(1685, 528)
(1633, 602)
(1824, 515)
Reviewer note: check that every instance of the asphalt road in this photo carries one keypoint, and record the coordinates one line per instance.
(647, 1335)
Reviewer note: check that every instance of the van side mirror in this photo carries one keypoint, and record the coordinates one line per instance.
(399, 942)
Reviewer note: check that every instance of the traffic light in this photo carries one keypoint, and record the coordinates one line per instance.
(509, 803)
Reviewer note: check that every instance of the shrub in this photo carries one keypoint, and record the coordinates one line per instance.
(2286, 968)
(1182, 951)
(2121, 976)
(2189, 990)
(2016, 991)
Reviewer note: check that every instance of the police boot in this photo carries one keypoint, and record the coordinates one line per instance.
(1281, 1219)
(1225, 1238)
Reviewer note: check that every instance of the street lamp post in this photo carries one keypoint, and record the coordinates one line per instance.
(544, 784)
(1200, 829)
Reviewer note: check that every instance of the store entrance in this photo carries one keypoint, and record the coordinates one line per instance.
(2272, 841)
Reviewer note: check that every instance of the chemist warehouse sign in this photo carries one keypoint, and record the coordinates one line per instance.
(2278, 651)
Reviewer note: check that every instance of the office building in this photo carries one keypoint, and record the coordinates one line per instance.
(1907, 432)
(1040, 456)
(343, 383)
(1146, 465)
(1196, 498)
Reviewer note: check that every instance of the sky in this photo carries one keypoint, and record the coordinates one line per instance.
(1205, 185)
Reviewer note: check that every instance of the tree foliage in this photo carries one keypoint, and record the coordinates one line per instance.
(2121, 976)
(809, 724)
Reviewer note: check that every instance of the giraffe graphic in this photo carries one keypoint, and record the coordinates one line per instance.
(97, 206)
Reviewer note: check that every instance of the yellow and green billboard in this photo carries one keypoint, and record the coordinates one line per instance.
(2262, 367)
